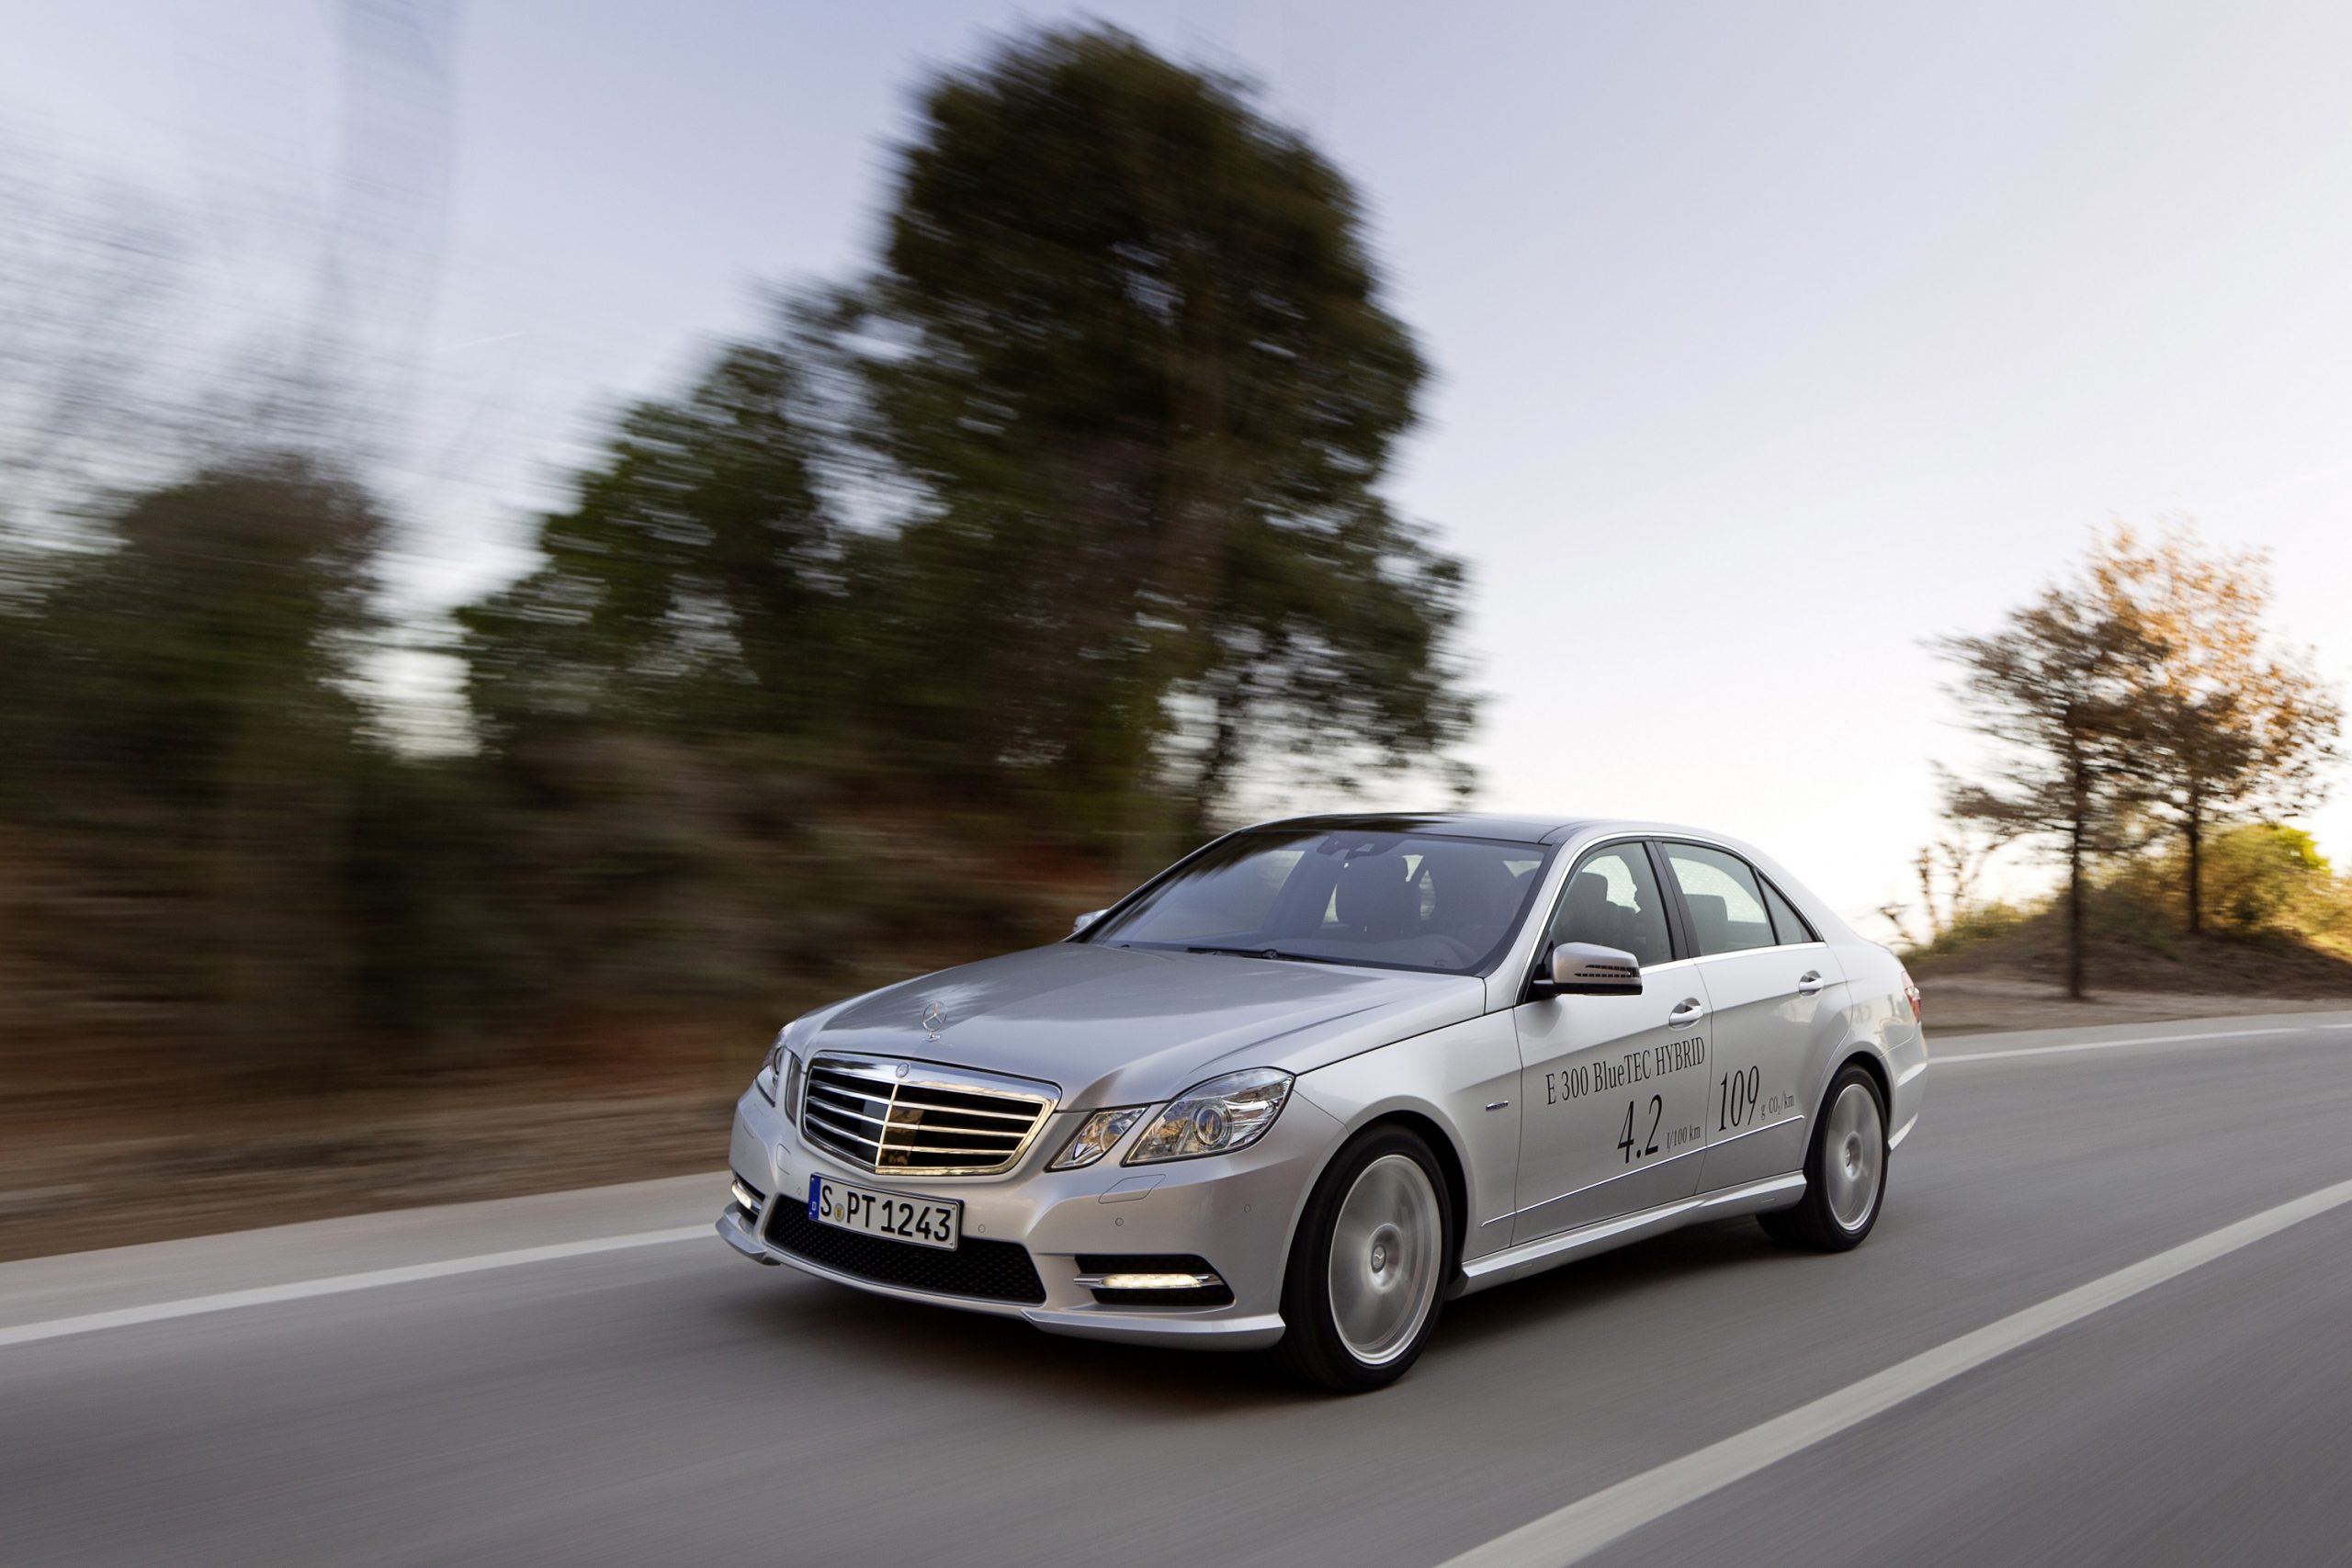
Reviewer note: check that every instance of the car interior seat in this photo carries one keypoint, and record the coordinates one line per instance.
(1376, 899)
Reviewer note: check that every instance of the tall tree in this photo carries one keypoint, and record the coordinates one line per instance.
(2053, 689)
(1129, 343)
(2237, 726)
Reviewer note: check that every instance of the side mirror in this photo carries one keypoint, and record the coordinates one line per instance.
(1588, 969)
(1085, 920)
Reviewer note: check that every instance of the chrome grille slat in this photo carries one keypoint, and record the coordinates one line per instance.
(847, 1132)
(911, 1098)
(1024, 1117)
(908, 1134)
(890, 1080)
(936, 1149)
(844, 1110)
(932, 1121)
(893, 1120)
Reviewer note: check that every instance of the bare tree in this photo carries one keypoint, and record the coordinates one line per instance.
(1949, 870)
(2054, 689)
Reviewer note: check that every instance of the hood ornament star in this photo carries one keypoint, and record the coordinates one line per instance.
(935, 1018)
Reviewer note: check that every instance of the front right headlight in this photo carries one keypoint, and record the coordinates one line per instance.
(1215, 1118)
(779, 1078)
(1095, 1136)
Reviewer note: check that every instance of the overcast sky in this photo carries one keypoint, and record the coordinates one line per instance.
(1770, 338)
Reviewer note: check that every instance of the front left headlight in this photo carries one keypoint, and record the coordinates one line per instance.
(1215, 1118)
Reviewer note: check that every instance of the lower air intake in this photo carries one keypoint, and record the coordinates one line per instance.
(986, 1270)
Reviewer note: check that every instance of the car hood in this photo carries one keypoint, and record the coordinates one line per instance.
(1113, 1026)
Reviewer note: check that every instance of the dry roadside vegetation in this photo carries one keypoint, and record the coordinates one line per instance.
(2276, 935)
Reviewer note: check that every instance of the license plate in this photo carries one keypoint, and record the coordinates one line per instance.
(926, 1222)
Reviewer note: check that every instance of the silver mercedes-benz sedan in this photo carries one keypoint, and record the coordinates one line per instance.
(1321, 1077)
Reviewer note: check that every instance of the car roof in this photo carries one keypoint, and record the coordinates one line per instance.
(1443, 824)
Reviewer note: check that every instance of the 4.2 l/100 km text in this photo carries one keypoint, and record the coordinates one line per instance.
(1633, 1144)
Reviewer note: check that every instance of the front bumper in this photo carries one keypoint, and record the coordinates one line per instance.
(1237, 1210)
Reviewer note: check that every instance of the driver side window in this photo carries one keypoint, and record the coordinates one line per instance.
(1613, 898)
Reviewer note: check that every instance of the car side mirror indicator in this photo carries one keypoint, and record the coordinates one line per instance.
(1085, 920)
(1588, 969)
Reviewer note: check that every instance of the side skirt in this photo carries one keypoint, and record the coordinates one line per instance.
(1548, 1252)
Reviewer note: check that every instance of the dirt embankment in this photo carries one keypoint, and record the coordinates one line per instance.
(2136, 972)
(88, 1179)
(133, 1142)
(1984, 1005)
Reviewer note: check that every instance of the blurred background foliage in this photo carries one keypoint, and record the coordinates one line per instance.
(974, 588)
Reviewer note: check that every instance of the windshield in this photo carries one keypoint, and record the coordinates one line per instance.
(1393, 900)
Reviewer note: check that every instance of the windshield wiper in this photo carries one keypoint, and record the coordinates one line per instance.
(1269, 952)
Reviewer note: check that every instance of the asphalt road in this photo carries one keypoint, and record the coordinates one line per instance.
(660, 1400)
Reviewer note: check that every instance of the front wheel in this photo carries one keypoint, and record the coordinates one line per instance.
(1368, 1269)
(1845, 1171)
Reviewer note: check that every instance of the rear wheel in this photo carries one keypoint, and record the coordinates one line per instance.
(1369, 1266)
(1845, 1169)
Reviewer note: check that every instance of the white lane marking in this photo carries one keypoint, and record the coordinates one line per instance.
(2124, 1045)
(1576, 1531)
(337, 1284)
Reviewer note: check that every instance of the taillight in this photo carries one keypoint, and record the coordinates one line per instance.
(1911, 994)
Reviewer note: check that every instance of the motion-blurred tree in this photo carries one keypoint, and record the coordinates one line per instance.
(184, 716)
(2237, 726)
(664, 702)
(1127, 340)
(2055, 690)
(688, 589)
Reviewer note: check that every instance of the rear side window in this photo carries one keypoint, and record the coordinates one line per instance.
(1786, 922)
(1613, 898)
(1725, 901)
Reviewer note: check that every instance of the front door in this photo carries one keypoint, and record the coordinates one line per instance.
(1613, 1088)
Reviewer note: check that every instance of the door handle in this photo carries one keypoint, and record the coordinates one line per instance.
(1809, 982)
(1691, 1012)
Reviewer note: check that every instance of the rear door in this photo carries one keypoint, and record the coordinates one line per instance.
(1612, 1087)
(1775, 989)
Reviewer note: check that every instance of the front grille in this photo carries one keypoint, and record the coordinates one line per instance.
(890, 1115)
(990, 1270)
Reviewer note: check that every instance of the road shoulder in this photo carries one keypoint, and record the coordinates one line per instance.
(114, 1278)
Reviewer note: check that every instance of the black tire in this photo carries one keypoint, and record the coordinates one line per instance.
(1826, 1218)
(1314, 1345)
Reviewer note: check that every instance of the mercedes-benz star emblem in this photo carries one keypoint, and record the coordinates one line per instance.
(935, 1018)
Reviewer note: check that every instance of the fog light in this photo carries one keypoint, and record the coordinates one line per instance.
(747, 1197)
(1153, 1279)
(1160, 1283)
